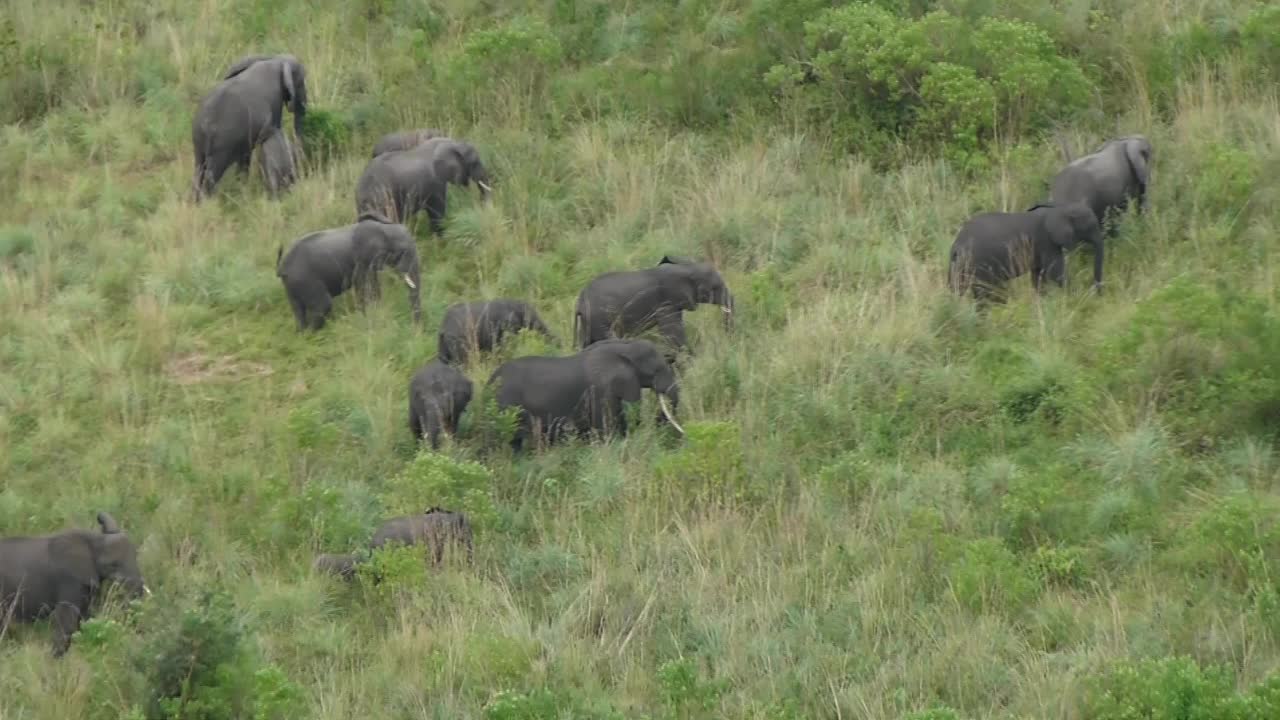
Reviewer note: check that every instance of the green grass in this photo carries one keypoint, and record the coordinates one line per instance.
(889, 502)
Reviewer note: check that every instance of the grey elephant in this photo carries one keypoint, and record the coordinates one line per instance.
(438, 395)
(1108, 179)
(321, 265)
(437, 529)
(992, 248)
(481, 325)
(622, 304)
(400, 183)
(278, 162)
(241, 112)
(583, 393)
(405, 140)
(61, 574)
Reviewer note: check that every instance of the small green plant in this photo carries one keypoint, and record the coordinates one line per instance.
(435, 479)
(988, 577)
(326, 136)
(1175, 688)
(711, 462)
(687, 695)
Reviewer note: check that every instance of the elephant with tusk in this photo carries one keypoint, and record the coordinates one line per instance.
(622, 304)
(63, 573)
(584, 393)
(399, 183)
(321, 265)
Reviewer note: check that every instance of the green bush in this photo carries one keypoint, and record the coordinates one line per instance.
(434, 479)
(988, 577)
(711, 462)
(326, 136)
(1176, 688)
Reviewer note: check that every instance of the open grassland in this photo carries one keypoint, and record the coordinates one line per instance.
(889, 505)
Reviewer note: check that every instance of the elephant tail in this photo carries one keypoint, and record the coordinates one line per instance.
(279, 254)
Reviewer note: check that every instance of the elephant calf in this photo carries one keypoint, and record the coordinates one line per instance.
(321, 265)
(622, 304)
(438, 394)
(278, 160)
(399, 183)
(994, 247)
(480, 326)
(437, 529)
(63, 573)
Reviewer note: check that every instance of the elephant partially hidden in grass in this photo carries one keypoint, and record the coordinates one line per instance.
(1108, 179)
(437, 529)
(321, 265)
(62, 573)
(994, 247)
(438, 395)
(278, 161)
(241, 112)
(481, 325)
(399, 183)
(584, 393)
(621, 304)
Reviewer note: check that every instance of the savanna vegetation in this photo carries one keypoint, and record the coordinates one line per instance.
(890, 503)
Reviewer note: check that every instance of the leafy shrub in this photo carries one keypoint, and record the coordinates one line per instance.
(1260, 37)
(685, 692)
(989, 577)
(546, 704)
(508, 64)
(326, 135)
(1234, 538)
(711, 461)
(939, 81)
(1175, 688)
(434, 479)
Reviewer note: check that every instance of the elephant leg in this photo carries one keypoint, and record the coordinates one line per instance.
(299, 310)
(435, 206)
(435, 436)
(1055, 269)
(66, 621)
(318, 310)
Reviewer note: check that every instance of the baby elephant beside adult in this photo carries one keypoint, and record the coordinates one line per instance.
(438, 395)
(625, 303)
(63, 573)
(321, 265)
(994, 247)
(278, 161)
(436, 529)
(241, 112)
(399, 183)
(480, 326)
(584, 393)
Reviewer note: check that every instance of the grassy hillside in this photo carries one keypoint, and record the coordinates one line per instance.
(889, 505)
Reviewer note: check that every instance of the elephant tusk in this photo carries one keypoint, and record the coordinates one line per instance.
(726, 310)
(662, 401)
(408, 281)
(483, 186)
(146, 589)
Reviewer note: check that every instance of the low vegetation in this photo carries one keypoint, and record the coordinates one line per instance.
(890, 503)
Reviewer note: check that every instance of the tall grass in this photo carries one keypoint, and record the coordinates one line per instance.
(889, 500)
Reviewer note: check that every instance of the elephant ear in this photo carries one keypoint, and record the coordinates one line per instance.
(1141, 170)
(108, 524)
(675, 260)
(293, 76)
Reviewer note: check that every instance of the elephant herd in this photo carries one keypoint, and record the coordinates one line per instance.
(582, 394)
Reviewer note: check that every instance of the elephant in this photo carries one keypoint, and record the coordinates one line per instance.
(437, 528)
(405, 140)
(583, 393)
(994, 247)
(321, 265)
(278, 161)
(401, 182)
(240, 113)
(481, 325)
(438, 395)
(1108, 179)
(63, 573)
(623, 303)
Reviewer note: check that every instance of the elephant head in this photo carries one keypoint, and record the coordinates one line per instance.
(699, 283)
(627, 366)
(459, 162)
(1137, 151)
(115, 558)
(401, 253)
(292, 88)
(1071, 225)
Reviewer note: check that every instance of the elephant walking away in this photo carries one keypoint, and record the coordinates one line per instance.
(278, 162)
(241, 112)
(63, 573)
(438, 395)
(480, 326)
(994, 247)
(321, 265)
(622, 304)
(405, 140)
(1108, 179)
(437, 529)
(399, 183)
(583, 393)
